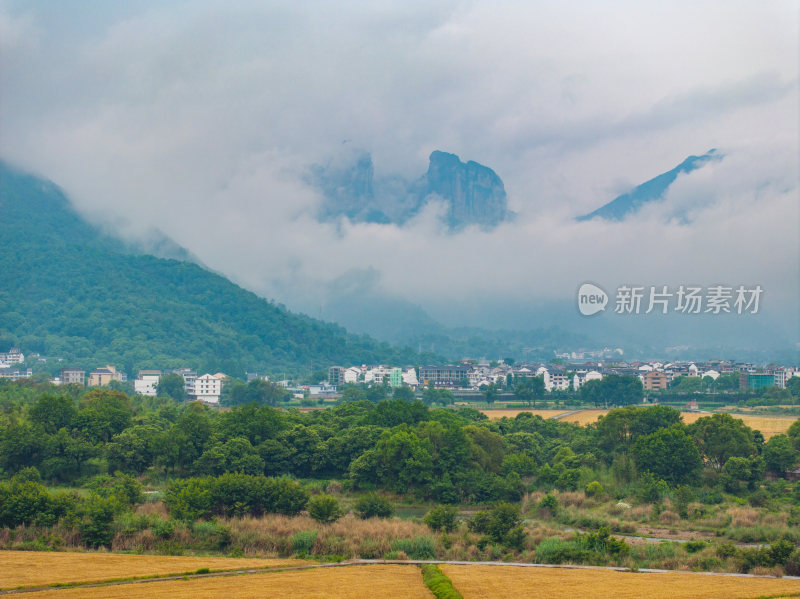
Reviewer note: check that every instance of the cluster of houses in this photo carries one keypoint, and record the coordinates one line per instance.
(206, 387)
(10, 362)
(464, 375)
(469, 374)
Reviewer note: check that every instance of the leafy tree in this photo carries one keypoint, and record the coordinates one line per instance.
(741, 472)
(721, 437)
(502, 524)
(404, 393)
(793, 386)
(794, 431)
(172, 385)
(779, 454)
(442, 517)
(324, 508)
(52, 412)
(686, 384)
(373, 505)
(97, 526)
(668, 453)
(134, 449)
(399, 461)
(490, 393)
(529, 389)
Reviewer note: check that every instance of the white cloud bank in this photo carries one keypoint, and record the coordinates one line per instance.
(200, 117)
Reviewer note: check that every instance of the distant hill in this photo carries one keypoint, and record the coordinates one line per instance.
(68, 290)
(473, 194)
(650, 191)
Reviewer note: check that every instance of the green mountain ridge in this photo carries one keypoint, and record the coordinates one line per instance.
(70, 291)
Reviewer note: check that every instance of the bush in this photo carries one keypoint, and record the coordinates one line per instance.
(594, 489)
(549, 502)
(302, 541)
(420, 547)
(558, 551)
(441, 518)
(373, 505)
(501, 525)
(97, 525)
(694, 546)
(792, 565)
(324, 508)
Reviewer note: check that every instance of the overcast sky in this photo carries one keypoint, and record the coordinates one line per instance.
(199, 118)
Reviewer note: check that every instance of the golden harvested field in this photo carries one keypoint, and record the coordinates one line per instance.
(497, 414)
(348, 582)
(768, 425)
(495, 582)
(584, 417)
(32, 568)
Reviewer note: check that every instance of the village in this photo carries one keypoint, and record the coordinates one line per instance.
(466, 376)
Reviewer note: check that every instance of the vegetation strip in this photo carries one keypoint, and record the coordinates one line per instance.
(439, 584)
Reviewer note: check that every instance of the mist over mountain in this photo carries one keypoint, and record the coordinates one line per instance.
(74, 292)
(472, 194)
(653, 190)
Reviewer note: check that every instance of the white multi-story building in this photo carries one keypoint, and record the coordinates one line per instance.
(146, 382)
(12, 356)
(352, 374)
(208, 388)
(582, 377)
(409, 377)
(7, 373)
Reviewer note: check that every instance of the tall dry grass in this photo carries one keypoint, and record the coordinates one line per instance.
(347, 537)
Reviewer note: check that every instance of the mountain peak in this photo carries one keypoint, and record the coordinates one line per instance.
(650, 191)
(473, 194)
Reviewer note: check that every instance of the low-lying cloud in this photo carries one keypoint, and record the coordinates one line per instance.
(201, 119)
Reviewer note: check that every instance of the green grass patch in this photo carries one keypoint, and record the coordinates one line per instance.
(441, 586)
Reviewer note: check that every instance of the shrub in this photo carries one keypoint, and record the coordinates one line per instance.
(324, 508)
(373, 505)
(694, 546)
(792, 565)
(441, 517)
(498, 523)
(558, 551)
(549, 502)
(420, 547)
(780, 551)
(594, 489)
(303, 540)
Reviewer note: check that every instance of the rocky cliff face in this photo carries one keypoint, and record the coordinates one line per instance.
(472, 193)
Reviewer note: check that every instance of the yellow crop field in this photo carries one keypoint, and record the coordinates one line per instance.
(32, 568)
(348, 582)
(485, 582)
(768, 425)
(584, 417)
(498, 414)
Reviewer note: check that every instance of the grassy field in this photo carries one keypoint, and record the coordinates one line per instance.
(484, 582)
(352, 582)
(33, 568)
